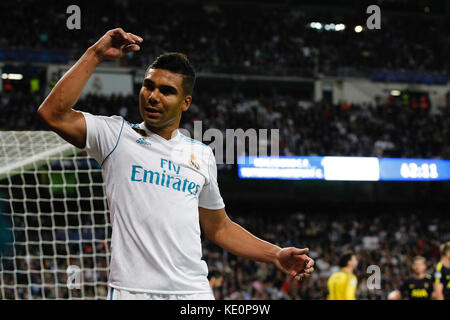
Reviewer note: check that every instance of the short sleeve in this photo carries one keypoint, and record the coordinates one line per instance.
(102, 135)
(210, 197)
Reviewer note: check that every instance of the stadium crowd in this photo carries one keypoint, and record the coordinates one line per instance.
(234, 39)
(306, 128)
(243, 40)
(389, 240)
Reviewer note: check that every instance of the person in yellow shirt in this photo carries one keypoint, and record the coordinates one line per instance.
(442, 274)
(342, 284)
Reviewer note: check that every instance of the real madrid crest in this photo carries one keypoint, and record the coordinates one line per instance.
(194, 162)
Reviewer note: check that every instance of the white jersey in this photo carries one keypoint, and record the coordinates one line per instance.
(154, 187)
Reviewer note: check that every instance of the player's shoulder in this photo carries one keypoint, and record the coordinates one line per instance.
(332, 276)
(110, 120)
(428, 276)
(338, 275)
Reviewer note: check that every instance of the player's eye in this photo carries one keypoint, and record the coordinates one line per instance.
(168, 90)
(149, 85)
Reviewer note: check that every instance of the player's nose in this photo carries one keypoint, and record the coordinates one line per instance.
(153, 98)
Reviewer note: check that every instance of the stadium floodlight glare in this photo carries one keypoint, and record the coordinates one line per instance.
(358, 29)
(340, 27)
(327, 27)
(12, 76)
(315, 25)
(395, 93)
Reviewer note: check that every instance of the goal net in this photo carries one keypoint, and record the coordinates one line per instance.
(54, 222)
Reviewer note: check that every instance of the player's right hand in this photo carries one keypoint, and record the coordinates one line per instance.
(295, 262)
(115, 44)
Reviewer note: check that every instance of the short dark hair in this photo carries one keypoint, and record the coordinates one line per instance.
(345, 258)
(177, 62)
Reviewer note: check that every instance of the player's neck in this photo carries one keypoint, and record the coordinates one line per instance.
(418, 275)
(167, 132)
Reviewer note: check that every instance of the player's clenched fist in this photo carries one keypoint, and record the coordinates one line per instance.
(115, 44)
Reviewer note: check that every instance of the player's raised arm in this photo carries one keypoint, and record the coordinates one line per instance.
(235, 239)
(56, 110)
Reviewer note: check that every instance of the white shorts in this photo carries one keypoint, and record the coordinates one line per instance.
(119, 294)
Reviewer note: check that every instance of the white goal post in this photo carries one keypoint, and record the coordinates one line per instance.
(54, 222)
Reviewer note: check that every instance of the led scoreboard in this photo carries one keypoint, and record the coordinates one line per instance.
(343, 168)
(414, 169)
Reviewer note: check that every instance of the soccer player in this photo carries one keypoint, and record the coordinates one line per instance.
(160, 185)
(442, 273)
(342, 284)
(417, 287)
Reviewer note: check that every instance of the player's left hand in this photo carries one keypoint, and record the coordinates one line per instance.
(295, 262)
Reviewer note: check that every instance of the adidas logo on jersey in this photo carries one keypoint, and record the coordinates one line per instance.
(143, 141)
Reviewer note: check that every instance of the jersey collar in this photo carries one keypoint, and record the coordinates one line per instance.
(175, 136)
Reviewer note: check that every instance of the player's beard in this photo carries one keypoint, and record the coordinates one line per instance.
(168, 117)
(156, 125)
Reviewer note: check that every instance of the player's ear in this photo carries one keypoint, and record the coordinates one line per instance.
(186, 103)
